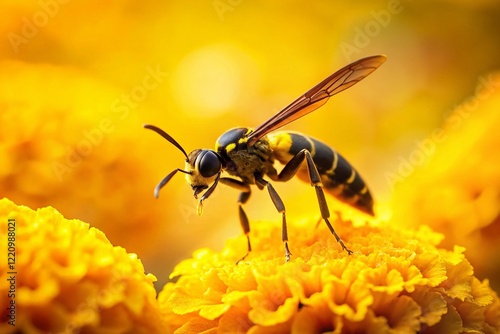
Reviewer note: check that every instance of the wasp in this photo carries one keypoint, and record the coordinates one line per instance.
(249, 156)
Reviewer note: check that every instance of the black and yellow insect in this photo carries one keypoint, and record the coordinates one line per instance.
(249, 155)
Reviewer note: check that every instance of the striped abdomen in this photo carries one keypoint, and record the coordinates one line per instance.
(339, 178)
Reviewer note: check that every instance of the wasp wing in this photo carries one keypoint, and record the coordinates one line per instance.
(318, 95)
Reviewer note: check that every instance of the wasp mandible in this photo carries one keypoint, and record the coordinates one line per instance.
(249, 155)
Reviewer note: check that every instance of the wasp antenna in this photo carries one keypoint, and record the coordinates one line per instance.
(165, 180)
(166, 136)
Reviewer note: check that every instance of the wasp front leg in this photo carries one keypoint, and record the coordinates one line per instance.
(242, 199)
(291, 169)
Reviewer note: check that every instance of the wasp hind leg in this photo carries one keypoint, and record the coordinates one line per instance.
(278, 203)
(291, 169)
(242, 199)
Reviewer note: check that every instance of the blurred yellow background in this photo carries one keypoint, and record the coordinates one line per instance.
(79, 79)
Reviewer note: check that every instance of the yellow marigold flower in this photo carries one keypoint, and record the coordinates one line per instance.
(68, 278)
(396, 281)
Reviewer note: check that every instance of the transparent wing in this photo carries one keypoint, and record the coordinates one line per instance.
(318, 95)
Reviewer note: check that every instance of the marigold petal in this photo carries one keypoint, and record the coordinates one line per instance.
(432, 305)
(184, 302)
(450, 323)
(431, 267)
(212, 312)
(311, 320)
(198, 325)
(273, 303)
(348, 300)
(265, 317)
(379, 279)
(370, 324)
(241, 278)
(481, 292)
(458, 283)
(471, 315)
(278, 328)
(235, 320)
(492, 315)
(238, 298)
(402, 314)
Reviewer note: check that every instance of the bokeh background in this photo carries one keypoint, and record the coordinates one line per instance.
(78, 79)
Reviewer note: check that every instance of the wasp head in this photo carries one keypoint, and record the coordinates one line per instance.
(202, 167)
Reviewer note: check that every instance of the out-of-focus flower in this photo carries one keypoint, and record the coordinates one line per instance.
(77, 135)
(455, 187)
(396, 281)
(69, 278)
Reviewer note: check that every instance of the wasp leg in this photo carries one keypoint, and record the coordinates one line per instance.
(278, 203)
(242, 199)
(291, 169)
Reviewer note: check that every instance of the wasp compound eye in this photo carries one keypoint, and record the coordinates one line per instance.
(208, 163)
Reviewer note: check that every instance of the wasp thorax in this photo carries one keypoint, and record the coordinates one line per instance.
(203, 167)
